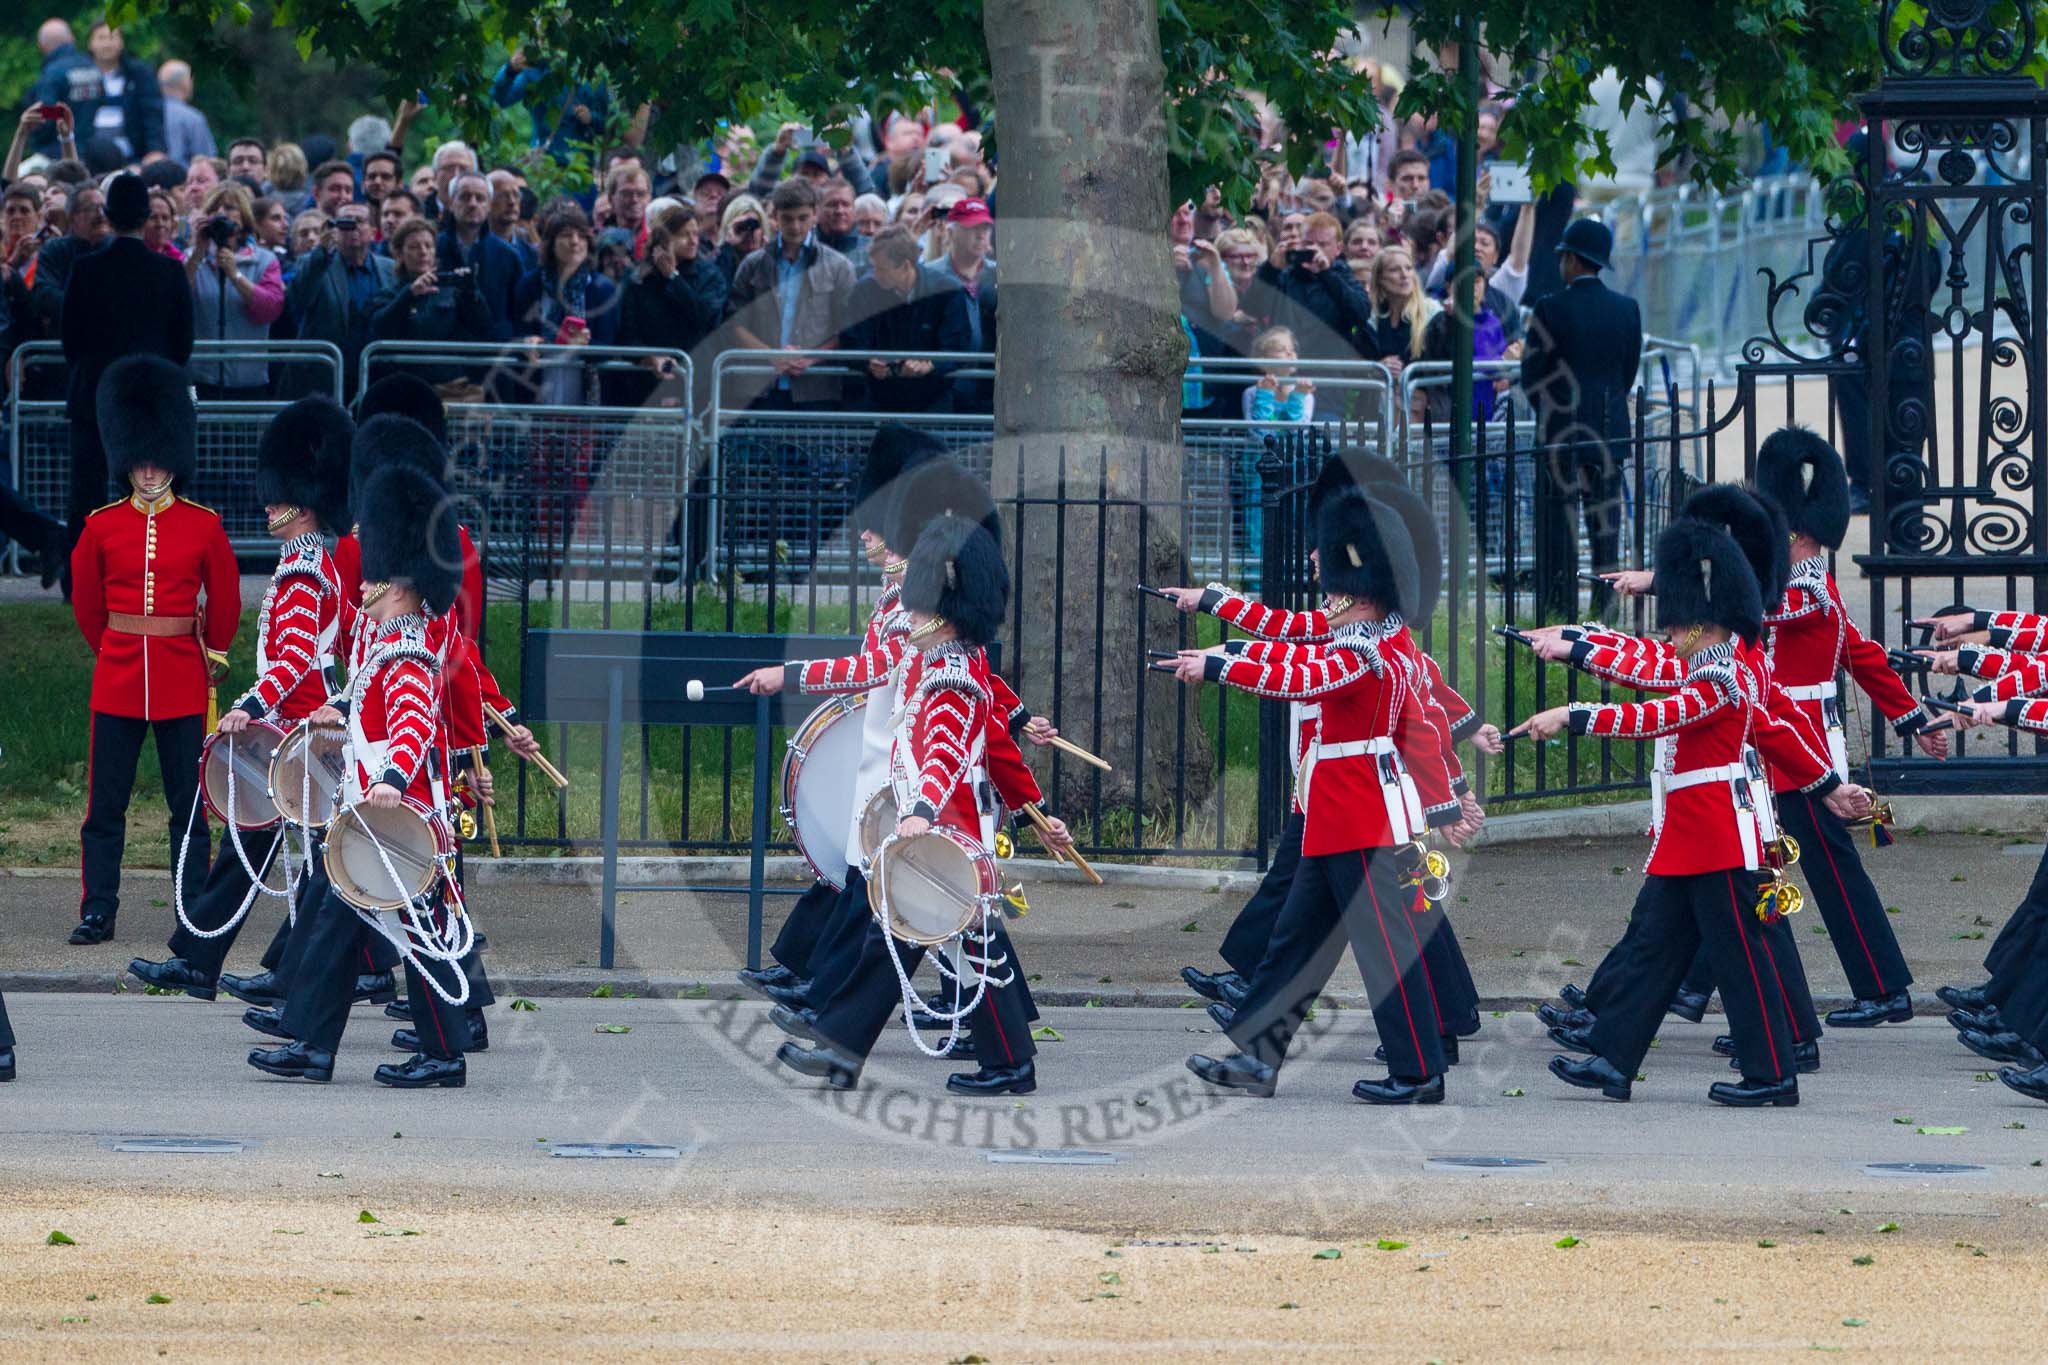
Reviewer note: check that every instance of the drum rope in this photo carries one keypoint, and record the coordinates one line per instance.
(256, 882)
(422, 940)
(912, 1001)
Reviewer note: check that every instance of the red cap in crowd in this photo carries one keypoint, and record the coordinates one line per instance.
(968, 212)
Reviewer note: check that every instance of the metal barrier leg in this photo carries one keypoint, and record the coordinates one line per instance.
(757, 865)
(614, 720)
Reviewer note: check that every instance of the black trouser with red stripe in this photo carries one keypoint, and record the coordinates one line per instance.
(6, 1029)
(2012, 951)
(854, 1017)
(1781, 953)
(227, 886)
(323, 985)
(1353, 896)
(1855, 916)
(110, 759)
(798, 939)
(1674, 917)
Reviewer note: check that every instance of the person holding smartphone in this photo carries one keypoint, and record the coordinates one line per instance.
(38, 121)
(565, 301)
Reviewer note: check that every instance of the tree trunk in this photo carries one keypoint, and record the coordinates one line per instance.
(1088, 404)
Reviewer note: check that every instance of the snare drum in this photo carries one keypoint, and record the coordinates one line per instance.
(818, 781)
(414, 838)
(322, 749)
(932, 888)
(878, 821)
(250, 753)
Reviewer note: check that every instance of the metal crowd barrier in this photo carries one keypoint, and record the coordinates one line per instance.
(590, 488)
(39, 442)
(778, 478)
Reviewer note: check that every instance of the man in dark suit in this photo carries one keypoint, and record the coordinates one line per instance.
(892, 310)
(123, 300)
(1585, 343)
(466, 243)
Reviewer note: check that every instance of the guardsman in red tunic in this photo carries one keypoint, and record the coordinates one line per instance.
(397, 749)
(1790, 765)
(302, 482)
(154, 588)
(1701, 883)
(1361, 803)
(955, 589)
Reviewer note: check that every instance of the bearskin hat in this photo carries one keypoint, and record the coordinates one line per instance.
(895, 449)
(1802, 474)
(1423, 537)
(390, 439)
(410, 535)
(956, 571)
(406, 395)
(1702, 578)
(1756, 526)
(1352, 468)
(145, 411)
(1365, 552)
(929, 490)
(303, 459)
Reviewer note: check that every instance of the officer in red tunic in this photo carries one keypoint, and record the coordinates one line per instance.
(1360, 804)
(302, 481)
(955, 590)
(154, 588)
(1701, 883)
(397, 749)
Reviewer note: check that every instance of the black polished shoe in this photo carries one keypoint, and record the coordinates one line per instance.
(1221, 1015)
(295, 1061)
(1896, 1008)
(1962, 997)
(1210, 986)
(758, 980)
(1576, 1039)
(795, 995)
(2033, 1084)
(1986, 1020)
(376, 987)
(1557, 1016)
(400, 1010)
(1394, 1090)
(797, 1023)
(267, 1020)
(1233, 990)
(174, 974)
(479, 1032)
(1724, 1045)
(1749, 1094)
(1805, 1058)
(1020, 1079)
(406, 1040)
(261, 990)
(421, 1072)
(1237, 1072)
(1450, 1042)
(827, 1063)
(7, 1065)
(92, 929)
(2000, 1047)
(1573, 995)
(1689, 1006)
(1592, 1073)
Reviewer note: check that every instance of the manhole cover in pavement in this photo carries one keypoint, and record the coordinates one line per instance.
(180, 1146)
(1049, 1156)
(644, 1151)
(1482, 1163)
(1920, 1168)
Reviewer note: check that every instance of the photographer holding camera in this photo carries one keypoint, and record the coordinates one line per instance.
(428, 303)
(237, 292)
(332, 290)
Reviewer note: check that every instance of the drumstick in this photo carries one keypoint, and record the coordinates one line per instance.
(497, 718)
(1078, 752)
(695, 688)
(1068, 851)
(1154, 592)
(476, 759)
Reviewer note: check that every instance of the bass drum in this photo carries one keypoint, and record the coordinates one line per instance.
(817, 783)
(414, 838)
(932, 888)
(322, 750)
(249, 753)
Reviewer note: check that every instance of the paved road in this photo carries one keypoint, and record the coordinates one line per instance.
(1527, 913)
(693, 1074)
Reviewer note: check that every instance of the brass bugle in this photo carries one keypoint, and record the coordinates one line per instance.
(1510, 633)
(497, 718)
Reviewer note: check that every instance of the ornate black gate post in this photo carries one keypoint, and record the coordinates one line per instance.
(1956, 260)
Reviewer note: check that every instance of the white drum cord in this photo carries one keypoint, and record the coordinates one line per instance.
(422, 941)
(257, 886)
(914, 1002)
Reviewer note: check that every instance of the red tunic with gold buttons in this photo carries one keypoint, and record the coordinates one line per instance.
(137, 560)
